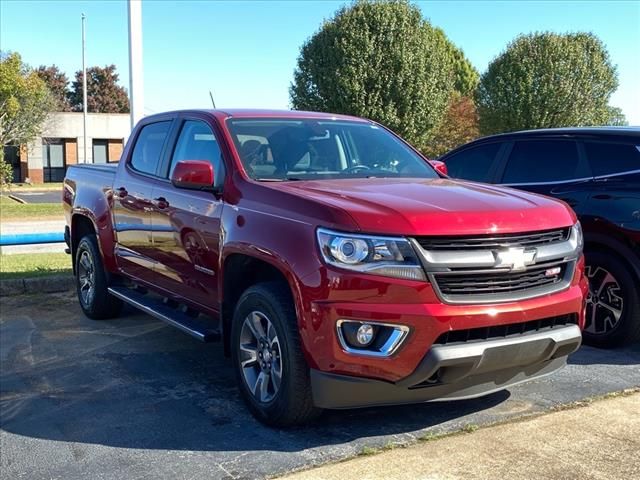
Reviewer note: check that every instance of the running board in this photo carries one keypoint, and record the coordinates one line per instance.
(194, 326)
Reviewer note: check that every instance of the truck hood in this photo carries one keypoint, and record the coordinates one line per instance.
(408, 206)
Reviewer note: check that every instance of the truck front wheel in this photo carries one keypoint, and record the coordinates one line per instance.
(92, 282)
(271, 371)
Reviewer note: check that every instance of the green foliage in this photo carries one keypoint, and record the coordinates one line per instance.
(459, 125)
(58, 85)
(104, 95)
(6, 171)
(547, 80)
(25, 101)
(465, 76)
(616, 117)
(379, 60)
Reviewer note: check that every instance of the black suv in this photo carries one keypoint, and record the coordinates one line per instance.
(597, 172)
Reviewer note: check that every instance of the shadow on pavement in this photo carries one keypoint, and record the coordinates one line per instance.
(135, 383)
(597, 356)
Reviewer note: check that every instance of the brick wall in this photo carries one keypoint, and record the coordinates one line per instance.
(115, 150)
(71, 151)
(24, 162)
(36, 175)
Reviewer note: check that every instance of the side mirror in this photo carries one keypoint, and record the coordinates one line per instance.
(439, 166)
(193, 175)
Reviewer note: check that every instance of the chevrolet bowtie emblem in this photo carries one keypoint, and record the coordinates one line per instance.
(516, 259)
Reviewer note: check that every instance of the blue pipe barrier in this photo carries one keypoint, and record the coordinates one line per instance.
(30, 238)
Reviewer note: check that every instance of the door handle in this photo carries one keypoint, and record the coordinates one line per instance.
(122, 192)
(161, 203)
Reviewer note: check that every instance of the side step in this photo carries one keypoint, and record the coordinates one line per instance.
(194, 326)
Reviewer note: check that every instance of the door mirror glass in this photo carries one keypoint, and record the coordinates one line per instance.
(193, 175)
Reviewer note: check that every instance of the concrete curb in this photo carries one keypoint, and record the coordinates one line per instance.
(16, 199)
(49, 284)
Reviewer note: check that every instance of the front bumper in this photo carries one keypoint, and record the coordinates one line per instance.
(457, 371)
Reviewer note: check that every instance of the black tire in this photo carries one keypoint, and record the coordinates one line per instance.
(292, 402)
(99, 305)
(620, 289)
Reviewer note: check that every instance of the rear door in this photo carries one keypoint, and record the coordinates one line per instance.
(132, 199)
(186, 233)
(551, 167)
(616, 193)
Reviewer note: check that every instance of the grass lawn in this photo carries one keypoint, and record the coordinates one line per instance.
(10, 210)
(24, 265)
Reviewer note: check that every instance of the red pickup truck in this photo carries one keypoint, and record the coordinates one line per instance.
(336, 265)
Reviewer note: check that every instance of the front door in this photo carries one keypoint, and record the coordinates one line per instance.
(186, 223)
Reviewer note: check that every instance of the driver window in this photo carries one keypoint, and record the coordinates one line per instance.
(197, 142)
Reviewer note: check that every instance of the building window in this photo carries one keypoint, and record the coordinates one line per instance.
(53, 159)
(12, 157)
(100, 151)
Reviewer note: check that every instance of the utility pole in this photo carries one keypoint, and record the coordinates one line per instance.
(136, 92)
(84, 94)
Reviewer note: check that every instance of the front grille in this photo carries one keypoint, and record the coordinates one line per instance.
(498, 281)
(487, 242)
(503, 331)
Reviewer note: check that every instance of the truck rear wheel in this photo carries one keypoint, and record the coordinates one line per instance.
(271, 371)
(92, 282)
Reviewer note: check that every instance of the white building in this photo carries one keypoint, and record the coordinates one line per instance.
(62, 144)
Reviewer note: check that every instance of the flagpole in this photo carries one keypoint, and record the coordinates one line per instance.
(84, 93)
(136, 93)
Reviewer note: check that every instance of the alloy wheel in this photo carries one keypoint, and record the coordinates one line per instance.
(86, 278)
(604, 301)
(260, 357)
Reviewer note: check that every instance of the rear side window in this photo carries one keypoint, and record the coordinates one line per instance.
(538, 161)
(197, 142)
(148, 147)
(612, 158)
(473, 163)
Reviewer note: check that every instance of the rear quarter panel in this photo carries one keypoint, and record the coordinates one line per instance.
(88, 193)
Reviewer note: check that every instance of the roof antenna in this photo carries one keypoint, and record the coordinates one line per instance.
(212, 102)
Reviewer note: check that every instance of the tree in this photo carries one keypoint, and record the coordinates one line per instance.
(465, 76)
(58, 84)
(25, 102)
(459, 126)
(379, 60)
(104, 95)
(616, 117)
(547, 80)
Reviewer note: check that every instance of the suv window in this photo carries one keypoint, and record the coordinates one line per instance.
(612, 158)
(148, 147)
(197, 142)
(537, 161)
(473, 163)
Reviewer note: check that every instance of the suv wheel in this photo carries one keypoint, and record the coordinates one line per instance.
(613, 303)
(92, 282)
(272, 373)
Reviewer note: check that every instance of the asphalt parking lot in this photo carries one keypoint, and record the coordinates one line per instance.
(133, 398)
(38, 197)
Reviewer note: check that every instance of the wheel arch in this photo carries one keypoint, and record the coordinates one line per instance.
(614, 246)
(240, 270)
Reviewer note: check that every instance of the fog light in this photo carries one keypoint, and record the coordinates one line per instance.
(370, 338)
(364, 334)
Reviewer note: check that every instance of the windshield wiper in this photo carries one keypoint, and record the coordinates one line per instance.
(285, 179)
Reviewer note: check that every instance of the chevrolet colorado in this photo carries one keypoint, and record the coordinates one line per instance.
(336, 265)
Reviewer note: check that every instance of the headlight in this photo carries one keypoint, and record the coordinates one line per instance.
(388, 256)
(577, 235)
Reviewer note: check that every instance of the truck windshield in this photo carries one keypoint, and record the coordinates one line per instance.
(274, 149)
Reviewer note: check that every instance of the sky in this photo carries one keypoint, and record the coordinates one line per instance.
(245, 52)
